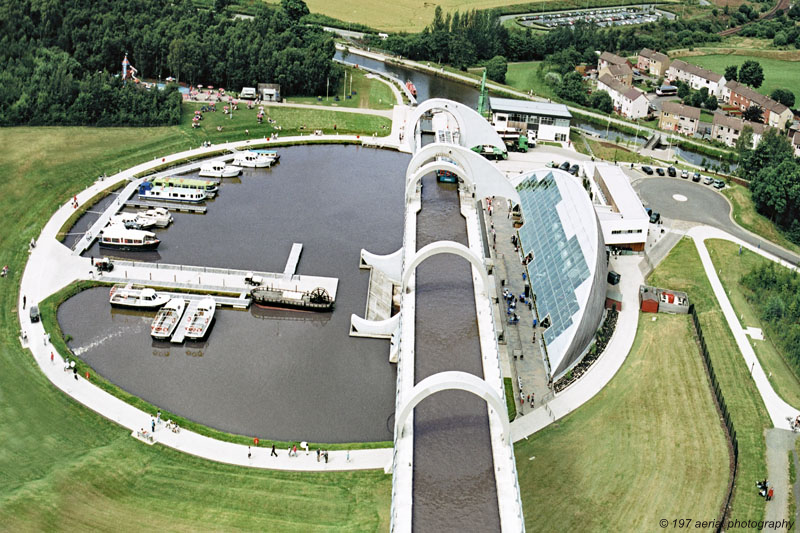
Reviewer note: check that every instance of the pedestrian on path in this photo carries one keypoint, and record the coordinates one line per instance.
(158, 417)
(294, 450)
(52, 358)
(153, 424)
(273, 452)
(75, 372)
(24, 301)
(318, 452)
(348, 456)
(249, 455)
(533, 396)
(769, 494)
(326, 456)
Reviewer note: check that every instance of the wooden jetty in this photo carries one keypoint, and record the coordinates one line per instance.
(172, 206)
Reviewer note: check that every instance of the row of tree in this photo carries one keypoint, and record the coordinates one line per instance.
(54, 56)
(774, 176)
(776, 296)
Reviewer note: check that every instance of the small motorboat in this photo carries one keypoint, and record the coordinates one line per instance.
(276, 157)
(171, 194)
(122, 238)
(252, 160)
(201, 318)
(136, 296)
(167, 318)
(411, 88)
(218, 169)
(132, 221)
(160, 216)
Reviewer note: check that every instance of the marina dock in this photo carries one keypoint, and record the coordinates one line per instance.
(291, 263)
(172, 206)
(180, 331)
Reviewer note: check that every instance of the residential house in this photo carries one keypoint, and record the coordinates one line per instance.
(653, 62)
(696, 77)
(628, 101)
(622, 73)
(728, 129)
(776, 114)
(679, 118)
(796, 143)
(607, 58)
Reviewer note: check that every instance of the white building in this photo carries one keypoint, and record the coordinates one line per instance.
(540, 120)
(697, 77)
(628, 101)
(623, 219)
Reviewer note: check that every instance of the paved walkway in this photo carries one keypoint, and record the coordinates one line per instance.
(779, 443)
(53, 266)
(779, 411)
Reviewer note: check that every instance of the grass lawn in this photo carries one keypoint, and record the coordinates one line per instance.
(725, 253)
(612, 152)
(682, 270)
(525, 76)
(744, 213)
(648, 446)
(65, 467)
(777, 73)
(371, 93)
(579, 142)
(706, 116)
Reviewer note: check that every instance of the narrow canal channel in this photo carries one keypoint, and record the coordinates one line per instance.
(454, 486)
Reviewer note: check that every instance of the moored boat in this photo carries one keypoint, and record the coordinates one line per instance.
(160, 215)
(200, 321)
(218, 169)
(132, 220)
(136, 296)
(122, 238)
(171, 194)
(252, 160)
(211, 187)
(314, 300)
(273, 154)
(167, 318)
(411, 88)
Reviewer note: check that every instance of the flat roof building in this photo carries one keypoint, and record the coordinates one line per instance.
(567, 267)
(622, 217)
(540, 120)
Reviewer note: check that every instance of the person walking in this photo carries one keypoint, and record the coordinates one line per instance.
(273, 452)
(294, 450)
(152, 424)
(769, 494)
(24, 301)
(158, 417)
(326, 458)
(75, 372)
(318, 452)
(249, 455)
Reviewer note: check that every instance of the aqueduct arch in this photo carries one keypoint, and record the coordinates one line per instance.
(444, 247)
(453, 380)
(474, 129)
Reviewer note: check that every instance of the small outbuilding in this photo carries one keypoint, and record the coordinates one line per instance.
(655, 300)
(269, 92)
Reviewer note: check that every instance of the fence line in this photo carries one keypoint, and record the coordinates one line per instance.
(723, 407)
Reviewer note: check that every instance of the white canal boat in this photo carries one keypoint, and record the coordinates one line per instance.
(218, 169)
(160, 216)
(133, 220)
(200, 321)
(252, 160)
(171, 194)
(167, 319)
(136, 296)
(119, 237)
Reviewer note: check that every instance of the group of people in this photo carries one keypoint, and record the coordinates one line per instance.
(4, 272)
(70, 365)
(764, 489)
(511, 306)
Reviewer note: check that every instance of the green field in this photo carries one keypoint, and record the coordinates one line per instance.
(744, 213)
(683, 271)
(63, 467)
(524, 76)
(777, 73)
(648, 446)
(371, 93)
(782, 377)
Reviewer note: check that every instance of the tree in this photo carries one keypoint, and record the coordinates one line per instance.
(780, 39)
(731, 72)
(711, 102)
(745, 141)
(496, 69)
(683, 89)
(771, 150)
(294, 9)
(572, 88)
(754, 114)
(751, 73)
(784, 96)
(601, 101)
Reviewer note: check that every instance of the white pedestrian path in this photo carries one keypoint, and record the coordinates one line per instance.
(52, 266)
(779, 411)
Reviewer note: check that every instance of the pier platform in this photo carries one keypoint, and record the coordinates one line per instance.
(172, 206)
(294, 258)
(180, 332)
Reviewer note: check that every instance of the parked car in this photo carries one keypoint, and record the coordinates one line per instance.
(672, 171)
(35, 313)
(564, 165)
(708, 180)
(655, 216)
(696, 177)
(685, 174)
(719, 184)
(660, 171)
(574, 169)
(647, 170)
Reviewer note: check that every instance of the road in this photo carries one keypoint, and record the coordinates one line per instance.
(704, 205)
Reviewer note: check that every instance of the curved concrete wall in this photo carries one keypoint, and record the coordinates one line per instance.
(474, 129)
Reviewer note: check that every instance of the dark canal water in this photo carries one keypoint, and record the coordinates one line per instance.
(275, 374)
(454, 485)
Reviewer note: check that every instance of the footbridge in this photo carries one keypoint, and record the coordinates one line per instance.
(453, 463)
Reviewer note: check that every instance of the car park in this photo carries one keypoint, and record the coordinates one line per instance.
(672, 172)
(696, 176)
(685, 174)
(647, 170)
(708, 180)
(564, 165)
(719, 184)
